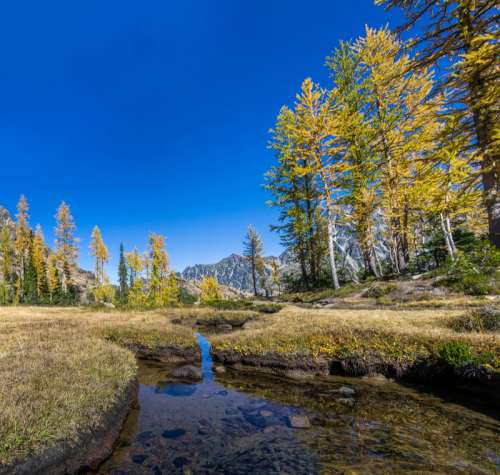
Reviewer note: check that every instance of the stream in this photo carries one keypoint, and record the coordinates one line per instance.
(234, 423)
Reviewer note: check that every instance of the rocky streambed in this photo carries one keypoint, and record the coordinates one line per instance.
(196, 420)
(273, 415)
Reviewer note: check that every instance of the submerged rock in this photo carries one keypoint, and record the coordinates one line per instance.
(180, 461)
(173, 433)
(299, 422)
(187, 372)
(347, 401)
(138, 459)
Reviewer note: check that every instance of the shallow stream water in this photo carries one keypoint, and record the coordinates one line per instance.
(239, 424)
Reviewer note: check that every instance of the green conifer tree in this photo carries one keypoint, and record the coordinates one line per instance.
(122, 277)
(30, 294)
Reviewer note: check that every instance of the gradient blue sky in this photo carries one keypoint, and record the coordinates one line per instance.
(154, 115)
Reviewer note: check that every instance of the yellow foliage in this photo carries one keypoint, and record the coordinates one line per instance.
(210, 290)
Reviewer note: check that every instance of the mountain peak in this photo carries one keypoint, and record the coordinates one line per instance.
(233, 271)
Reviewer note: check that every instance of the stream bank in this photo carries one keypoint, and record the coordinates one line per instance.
(90, 449)
(239, 424)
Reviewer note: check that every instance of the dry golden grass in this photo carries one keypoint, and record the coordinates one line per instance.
(60, 371)
(56, 381)
(394, 334)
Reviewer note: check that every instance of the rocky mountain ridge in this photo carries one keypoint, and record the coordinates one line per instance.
(234, 271)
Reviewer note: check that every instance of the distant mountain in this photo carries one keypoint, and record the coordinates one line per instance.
(232, 271)
(192, 287)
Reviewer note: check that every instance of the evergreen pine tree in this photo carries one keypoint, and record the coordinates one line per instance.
(122, 277)
(30, 294)
(253, 252)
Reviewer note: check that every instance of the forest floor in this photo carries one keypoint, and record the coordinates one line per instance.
(417, 292)
(63, 369)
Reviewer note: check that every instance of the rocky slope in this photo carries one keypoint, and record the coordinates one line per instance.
(234, 271)
(192, 287)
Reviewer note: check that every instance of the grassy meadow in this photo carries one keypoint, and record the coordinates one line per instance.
(63, 368)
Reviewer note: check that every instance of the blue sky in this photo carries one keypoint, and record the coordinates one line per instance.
(154, 115)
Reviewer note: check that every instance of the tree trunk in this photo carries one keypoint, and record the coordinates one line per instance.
(369, 260)
(484, 128)
(331, 250)
(448, 237)
(254, 277)
(377, 263)
(490, 174)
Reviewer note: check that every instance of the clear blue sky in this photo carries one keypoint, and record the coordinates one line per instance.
(154, 115)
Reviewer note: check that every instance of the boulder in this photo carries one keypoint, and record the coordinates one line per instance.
(187, 372)
(346, 401)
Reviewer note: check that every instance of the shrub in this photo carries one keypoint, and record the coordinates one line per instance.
(244, 305)
(377, 291)
(104, 293)
(186, 298)
(456, 353)
(268, 308)
(230, 304)
(475, 272)
(210, 291)
(485, 319)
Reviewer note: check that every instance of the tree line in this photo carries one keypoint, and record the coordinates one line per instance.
(33, 273)
(390, 163)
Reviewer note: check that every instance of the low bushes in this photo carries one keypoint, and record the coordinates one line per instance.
(245, 305)
(485, 319)
(378, 291)
(320, 294)
(459, 354)
(268, 307)
(475, 273)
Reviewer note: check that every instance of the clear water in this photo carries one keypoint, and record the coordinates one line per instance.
(239, 424)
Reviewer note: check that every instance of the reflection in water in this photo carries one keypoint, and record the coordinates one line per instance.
(239, 425)
(206, 358)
